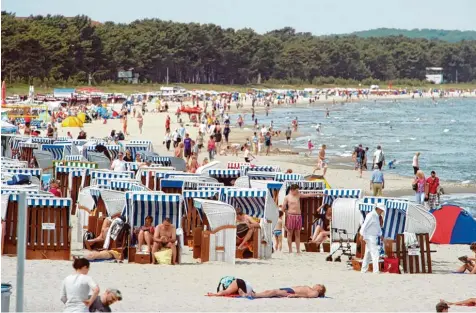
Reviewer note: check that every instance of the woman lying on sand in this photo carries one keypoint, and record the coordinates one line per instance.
(467, 302)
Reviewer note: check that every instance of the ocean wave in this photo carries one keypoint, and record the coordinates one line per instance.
(446, 130)
(345, 154)
(343, 146)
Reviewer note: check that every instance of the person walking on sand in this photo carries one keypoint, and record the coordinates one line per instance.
(140, 121)
(167, 139)
(77, 287)
(377, 182)
(292, 207)
(321, 161)
(267, 142)
(416, 163)
(419, 184)
(124, 123)
(278, 233)
(433, 182)
(371, 230)
(255, 143)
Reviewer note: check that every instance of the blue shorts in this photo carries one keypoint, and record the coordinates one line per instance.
(278, 232)
(288, 290)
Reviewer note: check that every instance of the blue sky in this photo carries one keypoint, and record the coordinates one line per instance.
(316, 16)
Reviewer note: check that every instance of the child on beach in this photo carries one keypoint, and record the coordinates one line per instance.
(310, 146)
(278, 232)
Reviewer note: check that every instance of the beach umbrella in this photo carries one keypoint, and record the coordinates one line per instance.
(72, 121)
(4, 93)
(454, 225)
(8, 128)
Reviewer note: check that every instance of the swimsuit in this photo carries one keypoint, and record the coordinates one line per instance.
(288, 290)
(294, 221)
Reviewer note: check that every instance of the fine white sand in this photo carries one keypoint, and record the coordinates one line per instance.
(182, 287)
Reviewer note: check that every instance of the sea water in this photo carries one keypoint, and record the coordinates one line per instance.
(443, 131)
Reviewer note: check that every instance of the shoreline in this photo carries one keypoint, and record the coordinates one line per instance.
(339, 176)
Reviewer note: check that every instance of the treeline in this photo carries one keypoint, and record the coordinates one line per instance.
(60, 49)
(439, 34)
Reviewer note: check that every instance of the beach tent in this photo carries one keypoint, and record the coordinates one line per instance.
(72, 121)
(454, 225)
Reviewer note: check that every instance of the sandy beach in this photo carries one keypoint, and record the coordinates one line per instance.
(183, 287)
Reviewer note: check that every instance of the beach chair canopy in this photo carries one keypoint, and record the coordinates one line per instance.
(203, 170)
(136, 148)
(331, 194)
(218, 213)
(400, 216)
(95, 174)
(345, 215)
(27, 171)
(251, 201)
(255, 175)
(235, 165)
(284, 177)
(159, 205)
(224, 173)
(191, 195)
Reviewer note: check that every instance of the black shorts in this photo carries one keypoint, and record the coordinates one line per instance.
(200, 146)
(187, 152)
(247, 160)
(288, 138)
(241, 285)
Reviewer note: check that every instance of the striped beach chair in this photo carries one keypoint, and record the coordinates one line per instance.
(194, 216)
(331, 194)
(42, 140)
(98, 174)
(258, 204)
(77, 157)
(26, 150)
(57, 151)
(136, 148)
(168, 185)
(225, 176)
(235, 165)
(220, 240)
(48, 229)
(37, 172)
(147, 143)
(159, 206)
(164, 161)
(273, 187)
(284, 177)
(112, 149)
(255, 175)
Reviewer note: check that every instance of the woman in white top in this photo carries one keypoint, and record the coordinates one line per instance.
(416, 163)
(77, 287)
(247, 153)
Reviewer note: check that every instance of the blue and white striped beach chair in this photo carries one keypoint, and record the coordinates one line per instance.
(224, 175)
(57, 151)
(136, 148)
(331, 194)
(37, 172)
(284, 177)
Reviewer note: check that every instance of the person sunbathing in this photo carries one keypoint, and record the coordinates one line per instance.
(232, 286)
(102, 235)
(146, 234)
(245, 227)
(469, 262)
(323, 231)
(467, 302)
(165, 237)
(317, 291)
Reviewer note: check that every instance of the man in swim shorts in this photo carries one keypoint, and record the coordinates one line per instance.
(292, 207)
(316, 291)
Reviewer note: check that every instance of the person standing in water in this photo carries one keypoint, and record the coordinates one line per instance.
(328, 115)
(416, 163)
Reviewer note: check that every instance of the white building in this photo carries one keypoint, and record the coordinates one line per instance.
(434, 75)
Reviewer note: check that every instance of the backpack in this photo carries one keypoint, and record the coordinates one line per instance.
(87, 236)
(225, 282)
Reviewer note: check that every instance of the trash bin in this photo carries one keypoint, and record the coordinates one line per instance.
(6, 293)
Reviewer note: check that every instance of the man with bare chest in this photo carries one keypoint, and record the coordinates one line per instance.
(165, 237)
(292, 207)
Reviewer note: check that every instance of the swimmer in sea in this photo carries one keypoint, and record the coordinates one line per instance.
(318, 128)
(391, 164)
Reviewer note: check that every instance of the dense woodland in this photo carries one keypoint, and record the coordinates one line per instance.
(440, 34)
(57, 49)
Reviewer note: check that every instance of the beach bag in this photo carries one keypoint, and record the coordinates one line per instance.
(414, 187)
(225, 282)
(164, 256)
(391, 265)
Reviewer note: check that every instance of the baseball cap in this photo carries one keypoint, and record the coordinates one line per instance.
(441, 306)
(116, 293)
